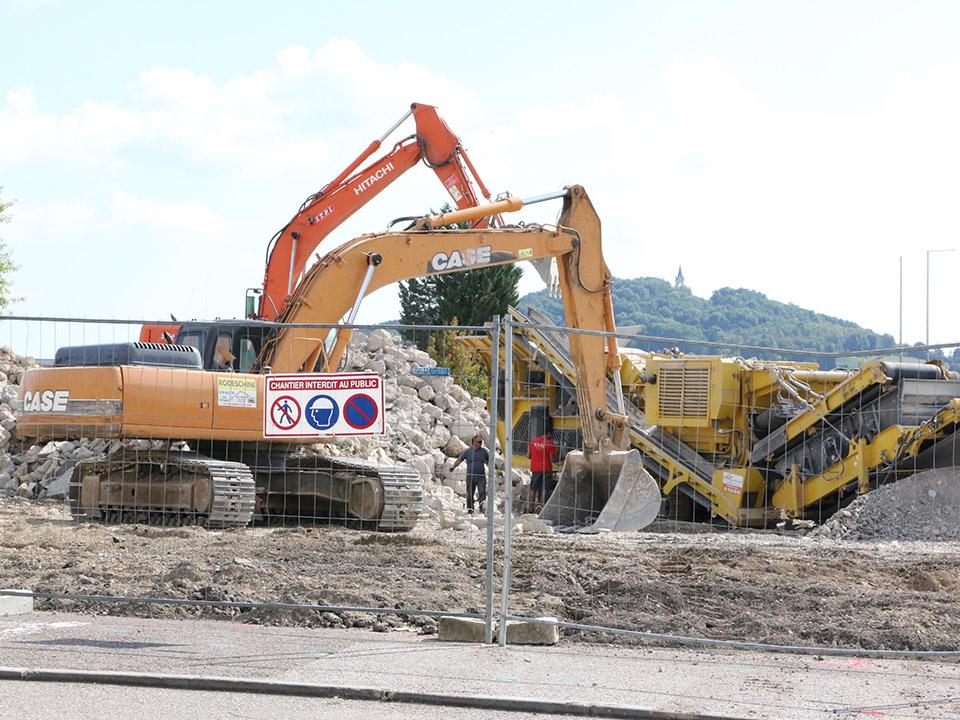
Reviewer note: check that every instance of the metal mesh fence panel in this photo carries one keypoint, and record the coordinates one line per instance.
(787, 486)
(736, 493)
(195, 474)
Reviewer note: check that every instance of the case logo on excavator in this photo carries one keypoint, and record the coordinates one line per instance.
(459, 258)
(45, 401)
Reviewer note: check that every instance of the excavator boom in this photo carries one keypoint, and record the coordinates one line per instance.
(329, 290)
(321, 213)
(324, 211)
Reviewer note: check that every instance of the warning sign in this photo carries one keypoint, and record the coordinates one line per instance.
(236, 391)
(451, 185)
(314, 404)
(322, 412)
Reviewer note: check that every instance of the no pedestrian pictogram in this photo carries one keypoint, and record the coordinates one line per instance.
(360, 411)
(285, 412)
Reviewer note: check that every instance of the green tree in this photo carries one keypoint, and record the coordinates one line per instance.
(730, 315)
(468, 372)
(6, 264)
(471, 297)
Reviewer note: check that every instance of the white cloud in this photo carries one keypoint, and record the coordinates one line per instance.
(91, 133)
(259, 124)
(811, 206)
(191, 216)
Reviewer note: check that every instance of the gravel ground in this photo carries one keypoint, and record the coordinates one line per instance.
(740, 585)
(921, 507)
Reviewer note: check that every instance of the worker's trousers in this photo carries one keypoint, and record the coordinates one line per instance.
(478, 484)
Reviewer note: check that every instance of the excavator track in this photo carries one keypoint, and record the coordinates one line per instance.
(400, 489)
(163, 488)
(402, 494)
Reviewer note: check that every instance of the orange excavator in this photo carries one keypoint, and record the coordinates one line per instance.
(321, 213)
(170, 392)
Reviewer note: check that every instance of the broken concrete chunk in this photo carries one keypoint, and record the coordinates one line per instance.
(524, 632)
(465, 630)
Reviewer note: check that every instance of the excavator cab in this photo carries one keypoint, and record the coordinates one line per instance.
(225, 345)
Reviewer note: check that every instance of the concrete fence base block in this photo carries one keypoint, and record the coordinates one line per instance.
(453, 629)
(11, 605)
(523, 632)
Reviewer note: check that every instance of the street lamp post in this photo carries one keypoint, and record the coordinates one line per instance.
(929, 253)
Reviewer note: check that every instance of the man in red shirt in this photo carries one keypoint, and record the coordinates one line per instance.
(541, 453)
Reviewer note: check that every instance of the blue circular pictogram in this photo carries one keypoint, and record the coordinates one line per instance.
(322, 412)
(360, 411)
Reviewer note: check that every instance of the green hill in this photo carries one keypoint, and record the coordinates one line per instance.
(734, 316)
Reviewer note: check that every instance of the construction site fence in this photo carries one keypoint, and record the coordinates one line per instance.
(519, 366)
(434, 397)
(712, 428)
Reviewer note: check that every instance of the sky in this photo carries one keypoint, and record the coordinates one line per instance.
(797, 149)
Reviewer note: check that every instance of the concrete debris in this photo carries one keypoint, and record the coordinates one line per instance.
(525, 632)
(922, 507)
(427, 418)
(455, 629)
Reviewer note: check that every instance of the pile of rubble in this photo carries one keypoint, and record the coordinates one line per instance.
(922, 507)
(430, 420)
(14, 472)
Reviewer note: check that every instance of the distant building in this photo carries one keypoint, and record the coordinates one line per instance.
(679, 281)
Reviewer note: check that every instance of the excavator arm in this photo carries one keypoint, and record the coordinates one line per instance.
(601, 488)
(324, 211)
(338, 282)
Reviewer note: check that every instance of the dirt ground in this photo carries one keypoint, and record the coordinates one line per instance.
(746, 586)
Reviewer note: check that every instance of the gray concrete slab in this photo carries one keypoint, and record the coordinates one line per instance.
(737, 684)
(454, 629)
(524, 632)
(12, 605)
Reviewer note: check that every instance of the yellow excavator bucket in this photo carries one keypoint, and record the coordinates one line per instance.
(603, 491)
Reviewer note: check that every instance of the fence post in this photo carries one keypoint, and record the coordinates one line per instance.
(492, 473)
(508, 481)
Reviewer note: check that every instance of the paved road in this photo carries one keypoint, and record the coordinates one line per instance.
(741, 684)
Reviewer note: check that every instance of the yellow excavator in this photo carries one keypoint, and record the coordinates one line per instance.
(176, 392)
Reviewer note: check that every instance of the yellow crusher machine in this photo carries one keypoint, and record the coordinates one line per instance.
(171, 392)
(748, 441)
